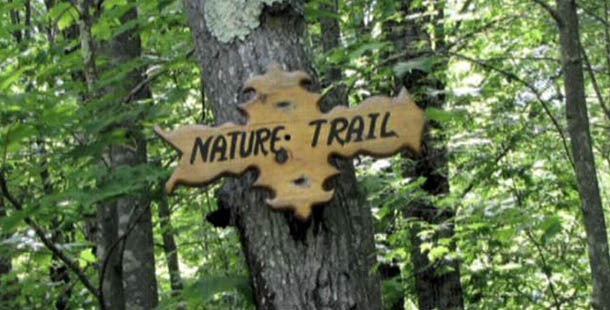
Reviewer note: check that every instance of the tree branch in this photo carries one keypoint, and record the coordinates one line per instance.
(533, 90)
(596, 17)
(546, 269)
(598, 92)
(462, 10)
(551, 11)
(47, 242)
(150, 78)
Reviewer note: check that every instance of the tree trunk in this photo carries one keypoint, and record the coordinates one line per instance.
(437, 283)
(126, 245)
(324, 263)
(169, 245)
(111, 274)
(134, 214)
(110, 262)
(331, 34)
(580, 137)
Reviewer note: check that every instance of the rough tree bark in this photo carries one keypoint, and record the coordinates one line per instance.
(325, 263)
(437, 283)
(580, 139)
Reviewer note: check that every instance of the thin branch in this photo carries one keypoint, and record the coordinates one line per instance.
(490, 24)
(545, 268)
(148, 79)
(463, 10)
(551, 11)
(47, 242)
(522, 59)
(598, 92)
(475, 181)
(513, 76)
(589, 12)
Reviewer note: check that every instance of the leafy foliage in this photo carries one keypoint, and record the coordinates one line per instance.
(518, 230)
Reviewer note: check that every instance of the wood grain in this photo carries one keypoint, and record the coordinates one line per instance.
(290, 141)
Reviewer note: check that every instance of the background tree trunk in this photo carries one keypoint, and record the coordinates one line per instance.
(169, 243)
(322, 264)
(134, 214)
(331, 34)
(580, 138)
(126, 245)
(437, 283)
(111, 277)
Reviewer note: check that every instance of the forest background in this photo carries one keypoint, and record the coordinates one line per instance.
(504, 209)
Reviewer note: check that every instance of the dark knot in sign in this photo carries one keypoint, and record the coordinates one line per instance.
(289, 140)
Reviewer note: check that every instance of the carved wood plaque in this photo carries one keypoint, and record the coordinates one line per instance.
(290, 141)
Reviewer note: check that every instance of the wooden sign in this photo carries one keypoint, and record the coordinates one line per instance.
(290, 141)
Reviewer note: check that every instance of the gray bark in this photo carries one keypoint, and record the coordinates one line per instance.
(111, 275)
(169, 245)
(125, 244)
(322, 264)
(331, 34)
(110, 260)
(435, 290)
(580, 138)
(134, 214)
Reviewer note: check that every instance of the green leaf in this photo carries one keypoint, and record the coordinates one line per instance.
(13, 76)
(67, 18)
(58, 10)
(206, 287)
(505, 235)
(551, 226)
(392, 291)
(421, 63)
(437, 253)
(86, 257)
(367, 47)
(509, 267)
(317, 13)
(444, 116)
(109, 4)
(8, 224)
(410, 305)
(13, 138)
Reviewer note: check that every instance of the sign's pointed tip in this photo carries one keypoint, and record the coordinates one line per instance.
(404, 93)
(170, 186)
(159, 131)
(303, 212)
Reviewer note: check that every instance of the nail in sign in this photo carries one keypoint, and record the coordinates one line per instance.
(290, 141)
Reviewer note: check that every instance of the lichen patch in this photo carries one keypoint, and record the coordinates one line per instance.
(227, 20)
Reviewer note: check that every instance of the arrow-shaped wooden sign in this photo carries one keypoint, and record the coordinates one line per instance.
(290, 141)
